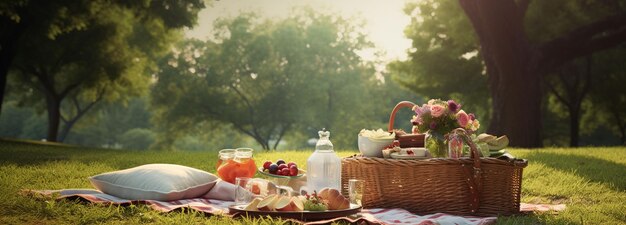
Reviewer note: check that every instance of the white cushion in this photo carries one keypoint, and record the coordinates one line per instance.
(163, 182)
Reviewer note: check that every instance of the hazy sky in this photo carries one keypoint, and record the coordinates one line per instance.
(385, 19)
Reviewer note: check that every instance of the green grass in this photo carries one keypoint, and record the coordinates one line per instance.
(591, 181)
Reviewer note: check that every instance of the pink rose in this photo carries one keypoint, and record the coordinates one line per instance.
(462, 118)
(437, 110)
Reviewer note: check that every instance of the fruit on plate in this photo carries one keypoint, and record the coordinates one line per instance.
(289, 204)
(276, 203)
(253, 205)
(267, 203)
(334, 199)
(273, 168)
(314, 203)
(255, 189)
(281, 168)
(293, 170)
(266, 165)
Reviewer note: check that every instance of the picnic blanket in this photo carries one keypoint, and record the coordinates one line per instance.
(219, 207)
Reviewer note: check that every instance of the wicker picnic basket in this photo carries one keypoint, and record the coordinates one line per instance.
(464, 186)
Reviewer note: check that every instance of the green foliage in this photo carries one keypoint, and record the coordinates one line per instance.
(137, 138)
(90, 50)
(20, 122)
(443, 61)
(592, 192)
(13, 119)
(109, 125)
(608, 96)
(546, 20)
(270, 79)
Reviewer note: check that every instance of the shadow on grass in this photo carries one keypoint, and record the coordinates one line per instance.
(594, 169)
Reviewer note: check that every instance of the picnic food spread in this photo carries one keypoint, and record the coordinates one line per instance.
(443, 135)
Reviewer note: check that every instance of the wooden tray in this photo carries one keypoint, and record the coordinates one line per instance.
(238, 210)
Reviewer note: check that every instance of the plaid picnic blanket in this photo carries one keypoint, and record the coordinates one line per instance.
(219, 207)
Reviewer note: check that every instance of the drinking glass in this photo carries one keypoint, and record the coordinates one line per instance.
(242, 193)
(355, 191)
(250, 188)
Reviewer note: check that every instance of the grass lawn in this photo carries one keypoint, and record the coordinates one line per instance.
(591, 181)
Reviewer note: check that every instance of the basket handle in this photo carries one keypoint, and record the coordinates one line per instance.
(392, 117)
(475, 175)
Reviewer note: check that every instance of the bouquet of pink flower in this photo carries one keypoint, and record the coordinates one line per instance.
(437, 119)
(441, 117)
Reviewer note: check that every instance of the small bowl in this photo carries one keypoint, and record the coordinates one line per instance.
(300, 173)
(373, 147)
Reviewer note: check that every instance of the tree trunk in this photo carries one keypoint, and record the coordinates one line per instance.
(574, 126)
(514, 77)
(54, 117)
(8, 49)
(516, 68)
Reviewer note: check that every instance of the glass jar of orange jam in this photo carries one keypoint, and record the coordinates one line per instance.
(242, 165)
(224, 155)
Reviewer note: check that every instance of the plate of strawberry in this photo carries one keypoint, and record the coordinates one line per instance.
(281, 169)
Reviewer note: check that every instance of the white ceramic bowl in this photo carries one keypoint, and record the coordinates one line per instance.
(373, 147)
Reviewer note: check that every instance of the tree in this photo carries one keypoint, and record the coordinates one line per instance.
(20, 19)
(265, 78)
(520, 45)
(572, 85)
(107, 50)
(516, 65)
(608, 94)
(444, 61)
(111, 122)
(137, 138)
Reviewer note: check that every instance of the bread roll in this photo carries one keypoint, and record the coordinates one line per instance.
(335, 200)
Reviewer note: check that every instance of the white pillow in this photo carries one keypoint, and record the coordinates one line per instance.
(163, 182)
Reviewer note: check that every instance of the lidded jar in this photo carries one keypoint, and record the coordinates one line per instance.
(242, 165)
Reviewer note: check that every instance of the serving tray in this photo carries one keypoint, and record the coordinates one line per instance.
(302, 215)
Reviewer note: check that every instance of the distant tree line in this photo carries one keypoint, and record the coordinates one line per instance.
(120, 74)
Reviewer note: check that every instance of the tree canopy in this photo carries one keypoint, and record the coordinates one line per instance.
(271, 78)
(88, 50)
(518, 44)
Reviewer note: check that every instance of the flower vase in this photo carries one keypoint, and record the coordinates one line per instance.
(436, 144)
